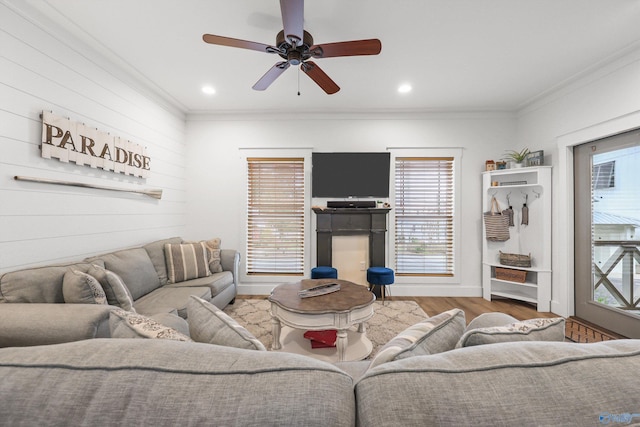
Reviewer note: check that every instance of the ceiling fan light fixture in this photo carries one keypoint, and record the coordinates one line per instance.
(405, 88)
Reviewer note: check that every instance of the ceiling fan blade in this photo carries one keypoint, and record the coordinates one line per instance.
(271, 75)
(293, 20)
(312, 70)
(350, 48)
(228, 41)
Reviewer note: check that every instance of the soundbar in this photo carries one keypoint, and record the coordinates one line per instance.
(352, 204)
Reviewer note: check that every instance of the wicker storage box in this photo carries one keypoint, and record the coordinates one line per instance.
(515, 260)
(511, 275)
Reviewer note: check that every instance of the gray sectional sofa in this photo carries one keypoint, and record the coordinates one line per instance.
(118, 382)
(32, 301)
(158, 369)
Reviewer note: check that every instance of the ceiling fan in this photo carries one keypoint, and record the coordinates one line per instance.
(296, 47)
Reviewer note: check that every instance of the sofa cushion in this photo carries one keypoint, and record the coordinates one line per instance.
(134, 267)
(37, 284)
(551, 329)
(209, 324)
(186, 261)
(82, 288)
(114, 288)
(178, 297)
(169, 383)
(155, 250)
(125, 324)
(29, 324)
(217, 282)
(433, 335)
(173, 321)
(213, 245)
(506, 384)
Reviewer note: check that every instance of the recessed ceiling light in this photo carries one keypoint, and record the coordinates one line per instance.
(404, 88)
(208, 90)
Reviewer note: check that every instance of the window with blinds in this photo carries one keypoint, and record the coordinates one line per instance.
(275, 217)
(424, 216)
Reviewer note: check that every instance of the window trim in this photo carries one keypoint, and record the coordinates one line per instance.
(456, 154)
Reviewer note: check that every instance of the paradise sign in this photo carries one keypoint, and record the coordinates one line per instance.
(70, 141)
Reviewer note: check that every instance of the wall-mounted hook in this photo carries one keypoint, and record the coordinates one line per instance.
(536, 193)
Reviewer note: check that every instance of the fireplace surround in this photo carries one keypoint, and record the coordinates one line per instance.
(351, 221)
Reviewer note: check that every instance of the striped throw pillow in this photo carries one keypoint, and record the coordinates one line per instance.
(186, 261)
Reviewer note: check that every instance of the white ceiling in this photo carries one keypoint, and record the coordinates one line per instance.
(457, 54)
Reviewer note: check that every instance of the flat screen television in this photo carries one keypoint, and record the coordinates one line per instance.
(350, 175)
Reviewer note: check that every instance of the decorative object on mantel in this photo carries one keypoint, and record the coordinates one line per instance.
(517, 156)
(155, 193)
(535, 158)
(70, 141)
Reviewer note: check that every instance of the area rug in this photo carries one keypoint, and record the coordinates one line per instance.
(388, 320)
(579, 331)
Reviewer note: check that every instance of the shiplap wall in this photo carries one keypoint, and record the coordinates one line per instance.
(42, 68)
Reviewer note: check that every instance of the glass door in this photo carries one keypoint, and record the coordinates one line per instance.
(607, 233)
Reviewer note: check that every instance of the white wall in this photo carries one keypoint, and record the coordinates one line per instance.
(602, 103)
(44, 69)
(216, 192)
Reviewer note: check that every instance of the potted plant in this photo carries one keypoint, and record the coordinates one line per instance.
(516, 156)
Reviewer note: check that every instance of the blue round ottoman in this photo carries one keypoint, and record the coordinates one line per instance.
(324, 273)
(380, 276)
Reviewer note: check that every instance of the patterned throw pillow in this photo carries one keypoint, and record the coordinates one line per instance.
(209, 324)
(82, 288)
(117, 292)
(551, 329)
(433, 335)
(186, 261)
(213, 246)
(125, 324)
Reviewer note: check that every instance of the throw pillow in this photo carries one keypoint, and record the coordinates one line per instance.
(433, 335)
(213, 246)
(209, 324)
(551, 329)
(186, 261)
(125, 324)
(489, 320)
(82, 288)
(116, 291)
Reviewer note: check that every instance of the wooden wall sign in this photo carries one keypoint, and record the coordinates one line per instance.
(70, 141)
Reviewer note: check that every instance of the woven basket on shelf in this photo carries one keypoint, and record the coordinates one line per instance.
(515, 260)
(518, 276)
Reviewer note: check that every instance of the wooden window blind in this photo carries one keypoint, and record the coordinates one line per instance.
(424, 216)
(275, 217)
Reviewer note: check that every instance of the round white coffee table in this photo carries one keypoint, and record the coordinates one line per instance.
(351, 305)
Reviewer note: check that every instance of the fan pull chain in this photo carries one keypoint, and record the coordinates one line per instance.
(298, 81)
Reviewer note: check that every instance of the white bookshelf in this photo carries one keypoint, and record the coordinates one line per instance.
(515, 187)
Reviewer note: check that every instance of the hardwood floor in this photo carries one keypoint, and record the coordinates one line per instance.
(474, 306)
